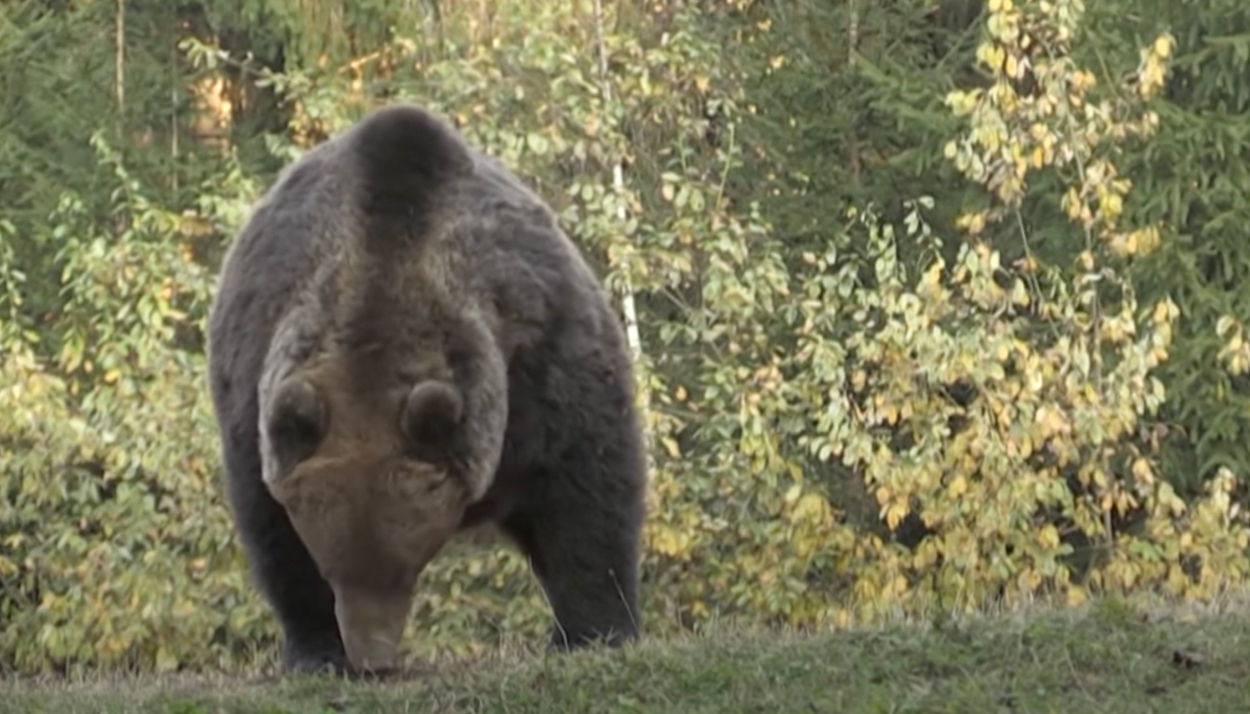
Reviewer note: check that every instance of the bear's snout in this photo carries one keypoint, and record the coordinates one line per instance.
(371, 623)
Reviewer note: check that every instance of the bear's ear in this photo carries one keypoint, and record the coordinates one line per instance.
(297, 422)
(431, 420)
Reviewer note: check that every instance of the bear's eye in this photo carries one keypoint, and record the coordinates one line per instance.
(297, 421)
(409, 482)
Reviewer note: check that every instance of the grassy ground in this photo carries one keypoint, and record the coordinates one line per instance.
(1109, 659)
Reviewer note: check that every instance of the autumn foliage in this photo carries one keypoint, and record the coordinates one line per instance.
(893, 415)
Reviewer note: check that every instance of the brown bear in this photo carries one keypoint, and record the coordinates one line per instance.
(404, 344)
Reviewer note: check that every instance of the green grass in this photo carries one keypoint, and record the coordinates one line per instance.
(1108, 659)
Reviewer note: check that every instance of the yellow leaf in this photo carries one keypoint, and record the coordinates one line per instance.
(670, 445)
(1038, 158)
(792, 494)
(1076, 595)
(958, 486)
(859, 379)
(883, 495)
(1148, 239)
(1113, 205)
(891, 415)
(1129, 574)
(811, 507)
(976, 224)
(843, 618)
(1049, 536)
(925, 556)
(1030, 579)
(900, 585)
(1011, 67)
(1163, 46)
(1051, 420)
(1083, 80)
(895, 514)
(1072, 204)
(1122, 245)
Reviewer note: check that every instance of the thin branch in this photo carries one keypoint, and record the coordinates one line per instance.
(628, 303)
(618, 184)
(120, 60)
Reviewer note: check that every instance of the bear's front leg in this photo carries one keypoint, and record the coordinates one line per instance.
(284, 571)
(581, 530)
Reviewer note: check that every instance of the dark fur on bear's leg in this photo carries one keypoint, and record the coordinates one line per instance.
(282, 567)
(584, 553)
(589, 577)
(581, 517)
(290, 582)
(587, 572)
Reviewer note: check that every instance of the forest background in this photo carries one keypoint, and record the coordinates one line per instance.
(937, 304)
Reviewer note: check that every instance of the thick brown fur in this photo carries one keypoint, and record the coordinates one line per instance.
(396, 300)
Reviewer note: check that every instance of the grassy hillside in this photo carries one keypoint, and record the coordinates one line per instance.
(1108, 659)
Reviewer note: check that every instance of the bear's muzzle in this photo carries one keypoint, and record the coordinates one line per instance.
(371, 623)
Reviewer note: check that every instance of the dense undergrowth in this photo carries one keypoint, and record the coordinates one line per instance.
(907, 341)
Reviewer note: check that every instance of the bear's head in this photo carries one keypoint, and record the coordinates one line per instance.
(375, 475)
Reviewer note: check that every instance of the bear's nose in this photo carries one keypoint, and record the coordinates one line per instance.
(371, 622)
